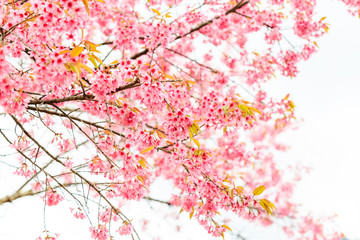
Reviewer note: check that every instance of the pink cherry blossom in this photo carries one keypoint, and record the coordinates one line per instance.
(52, 198)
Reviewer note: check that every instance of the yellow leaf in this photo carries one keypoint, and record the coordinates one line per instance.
(64, 51)
(77, 70)
(268, 203)
(198, 152)
(91, 43)
(196, 142)
(143, 163)
(91, 47)
(232, 194)
(98, 59)
(160, 134)
(135, 110)
(191, 133)
(86, 67)
(169, 76)
(256, 110)
(147, 149)
(326, 28)
(244, 108)
(192, 213)
(66, 12)
(84, 83)
(100, 1)
(92, 59)
(197, 126)
(225, 128)
(257, 191)
(227, 227)
(191, 82)
(239, 190)
(67, 65)
(156, 11)
(265, 207)
(141, 179)
(291, 105)
(194, 129)
(76, 51)
(86, 4)
(26, 5)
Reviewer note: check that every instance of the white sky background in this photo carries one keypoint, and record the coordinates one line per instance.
(327, 96)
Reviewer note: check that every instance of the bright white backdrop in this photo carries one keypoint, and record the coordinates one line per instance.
(327, 96)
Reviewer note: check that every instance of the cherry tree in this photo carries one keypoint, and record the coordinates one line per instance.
(129, 92)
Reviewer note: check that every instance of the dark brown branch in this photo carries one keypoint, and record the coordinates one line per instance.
(248, 17)
(42, 170)
(231, 10)
(83, 132)
(117, 211)
(48, 164)
(139, 54)
(157, 200)
(10, 30)
(65, 99)
(72, 117)
(19, 194)
(16, 195)
(134, 84)
(193, 60)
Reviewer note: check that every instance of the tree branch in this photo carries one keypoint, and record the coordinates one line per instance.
(134, 84)
(231, 10)
(117, 211)
(44, 110)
